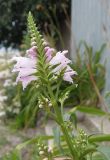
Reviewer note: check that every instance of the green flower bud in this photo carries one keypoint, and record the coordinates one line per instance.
(41, 152)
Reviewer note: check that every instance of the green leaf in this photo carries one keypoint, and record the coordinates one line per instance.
(88, 110)
(99, 138)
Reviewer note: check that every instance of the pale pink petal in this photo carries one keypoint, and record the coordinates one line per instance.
(59, 58)
(46, 48)
(59, 68)
(32, 52)
(26, 72)
(49, 54)
(23, 62)
(69, 74)
(62, 64)
(65, 52)
(69, 69)
(67, 77)
(26, 80)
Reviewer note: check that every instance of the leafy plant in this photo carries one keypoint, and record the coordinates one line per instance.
(46, 70)
(91, 76)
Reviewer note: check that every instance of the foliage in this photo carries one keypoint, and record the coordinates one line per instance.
(51, 96)
(84, 95)
(39, 148)
(91, 76)
(13, 15)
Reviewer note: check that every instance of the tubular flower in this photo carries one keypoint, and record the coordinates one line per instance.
(62, 64)
(26, 66)
(49, 51)
(32, 52)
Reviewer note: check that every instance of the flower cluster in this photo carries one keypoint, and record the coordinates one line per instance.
(45, 152)
(41, 53)
(27, 66)
(62, 64)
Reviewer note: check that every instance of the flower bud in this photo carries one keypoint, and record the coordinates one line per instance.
(33, 39)
(33, 43)
(37, 86)
(46, 99)
(41, 152)
(45, 43)
(40, 106)
(45, 158)
(55, 77)
(45, 147)
(50, 104)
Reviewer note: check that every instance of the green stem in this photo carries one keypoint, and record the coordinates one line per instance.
(61, 123)
(62, 112)
(58, 87)
(68, 140)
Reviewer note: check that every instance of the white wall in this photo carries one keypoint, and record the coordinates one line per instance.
(91, 22)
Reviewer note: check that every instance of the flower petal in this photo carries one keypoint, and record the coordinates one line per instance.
(59, 58)
(49, 52)
(26, 80)
(32, 52)
(23, 62)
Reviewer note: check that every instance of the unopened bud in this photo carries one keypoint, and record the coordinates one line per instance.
(67, 94)
(33, 43)
(45, 147)
(37, 86)
(46, 99)
(77, 142)
(50, 104)
(38, 144)
(84, 140)
(33, 39)
(41, 152)
(45, 158)
(40, 106)
(45, 43)
(55, 77)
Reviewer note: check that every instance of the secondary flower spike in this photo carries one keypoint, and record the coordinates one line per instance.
(26, 66)
(62, 64)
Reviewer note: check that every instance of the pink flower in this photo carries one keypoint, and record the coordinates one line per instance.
(32, 52)
(26, 80)
(26, 68)
(62, 63)
(68, 74)
(48, 52)
(60, 58)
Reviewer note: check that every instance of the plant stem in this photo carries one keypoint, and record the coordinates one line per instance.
(61, 123)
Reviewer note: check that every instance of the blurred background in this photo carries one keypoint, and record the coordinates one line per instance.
(82, 27)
